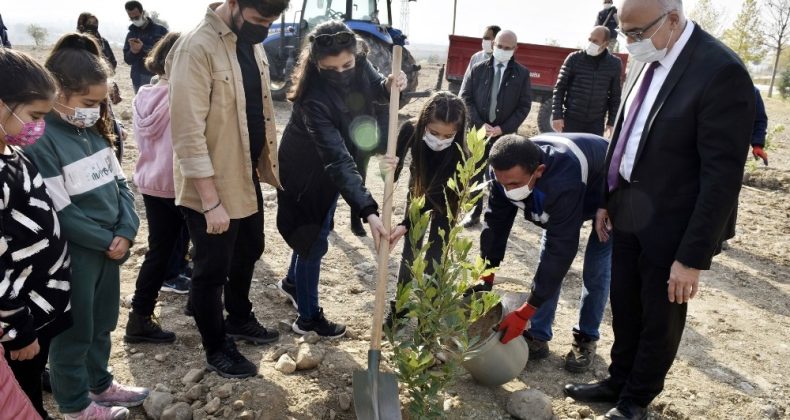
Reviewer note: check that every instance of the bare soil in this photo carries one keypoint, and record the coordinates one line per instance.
(733, 362)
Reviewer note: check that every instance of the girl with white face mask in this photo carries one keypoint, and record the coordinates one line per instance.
(436, 141)
(95, 209)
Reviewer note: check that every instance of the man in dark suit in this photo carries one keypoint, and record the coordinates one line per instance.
(498, 97)
(674, 172)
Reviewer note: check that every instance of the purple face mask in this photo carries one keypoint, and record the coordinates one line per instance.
(29, 134)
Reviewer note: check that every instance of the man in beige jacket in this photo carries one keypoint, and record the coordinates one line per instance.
(225, 143)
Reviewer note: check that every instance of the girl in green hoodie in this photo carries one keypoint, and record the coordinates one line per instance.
(96, 212)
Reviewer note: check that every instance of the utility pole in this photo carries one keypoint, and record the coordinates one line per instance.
(455, 9)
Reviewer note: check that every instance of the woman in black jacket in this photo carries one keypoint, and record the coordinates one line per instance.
(332, 120)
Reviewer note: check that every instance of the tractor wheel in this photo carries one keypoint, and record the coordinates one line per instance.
(279, 89)
(544, 116)
(279, 82)
(380, 55)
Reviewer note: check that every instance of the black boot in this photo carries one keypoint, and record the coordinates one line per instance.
(582, 354)
(146, 329)
(392, 315)
(357, 228)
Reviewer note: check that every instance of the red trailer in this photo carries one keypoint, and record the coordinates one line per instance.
(544, 63)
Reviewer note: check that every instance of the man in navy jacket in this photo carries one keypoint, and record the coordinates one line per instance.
(143, 34)
(557, 180)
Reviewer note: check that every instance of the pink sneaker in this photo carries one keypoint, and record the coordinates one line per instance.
(97, 412)
(122, 395)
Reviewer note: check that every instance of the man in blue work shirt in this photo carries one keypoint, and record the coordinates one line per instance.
(557, 180)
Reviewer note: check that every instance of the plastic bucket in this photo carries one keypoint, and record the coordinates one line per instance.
(490, 362)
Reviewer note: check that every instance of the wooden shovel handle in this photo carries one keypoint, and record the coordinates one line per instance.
(384, 249)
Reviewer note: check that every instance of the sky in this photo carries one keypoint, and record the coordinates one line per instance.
(430, 21)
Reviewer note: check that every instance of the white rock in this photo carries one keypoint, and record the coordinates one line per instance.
(285, 364)
(246, 396)
(161, 388)
(238, 405)
(224, 391)
(156, 403)
(177, 411)
(309, 357)
(530, 404)
(344, 401)
(193, 376)
(247, 415)
(126, 301)
(212, 406)
(160, 357)
(310, 338)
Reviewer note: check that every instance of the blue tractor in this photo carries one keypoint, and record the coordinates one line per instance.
(370, 19)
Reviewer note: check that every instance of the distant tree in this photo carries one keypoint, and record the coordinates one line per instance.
(154, 15)
(745, 37)
(777, 32)
(708, 16)
(552, 42)
(784, 85)
(38, 33)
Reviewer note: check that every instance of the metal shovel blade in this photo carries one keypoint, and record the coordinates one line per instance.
(375, 392)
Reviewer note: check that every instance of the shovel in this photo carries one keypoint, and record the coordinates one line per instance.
(376, 392)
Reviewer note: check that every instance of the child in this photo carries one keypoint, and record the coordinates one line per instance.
(96, 212)
(154, 178)
(433, 140)
(34, 294)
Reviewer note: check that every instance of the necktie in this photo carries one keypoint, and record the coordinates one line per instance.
(628, 125)
(494, 93)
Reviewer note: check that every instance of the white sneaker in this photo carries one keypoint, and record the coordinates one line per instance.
(97, 412)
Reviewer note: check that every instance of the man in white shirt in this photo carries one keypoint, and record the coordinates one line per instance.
(674, 172)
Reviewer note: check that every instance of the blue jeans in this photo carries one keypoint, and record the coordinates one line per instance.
(596, 276)
(305, 271)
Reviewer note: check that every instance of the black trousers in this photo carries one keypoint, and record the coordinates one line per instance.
(168, 240)
(593, 127)
(438, 221)
(647, 327)
(225, 261)
(28, 374)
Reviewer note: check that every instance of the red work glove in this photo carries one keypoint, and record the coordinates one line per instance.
(515, 322)
(759, 153)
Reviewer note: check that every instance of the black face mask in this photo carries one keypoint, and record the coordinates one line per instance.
(339, 79)
(250, 33)
(92, 29)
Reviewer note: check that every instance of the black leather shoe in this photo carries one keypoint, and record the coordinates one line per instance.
(626, 410)
(596, 392)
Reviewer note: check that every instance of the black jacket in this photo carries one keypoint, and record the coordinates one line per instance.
(443, 165)
(608, 18)
(513, 102)
(149, 35)
(317, 156)
(4, 42)
(106, 49)
(689, 165)
(760, 128)
(568, 193)
(588, 88)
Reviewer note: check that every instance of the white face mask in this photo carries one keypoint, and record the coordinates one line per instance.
(139, 22)
(488, 46)
(520, 193)
(644, 51)
(83, 117)
(594, 49)
(436, 144)
(608, 5)
(502, 56)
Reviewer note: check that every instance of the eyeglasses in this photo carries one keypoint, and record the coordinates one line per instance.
(341, 39)
(639, 35)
